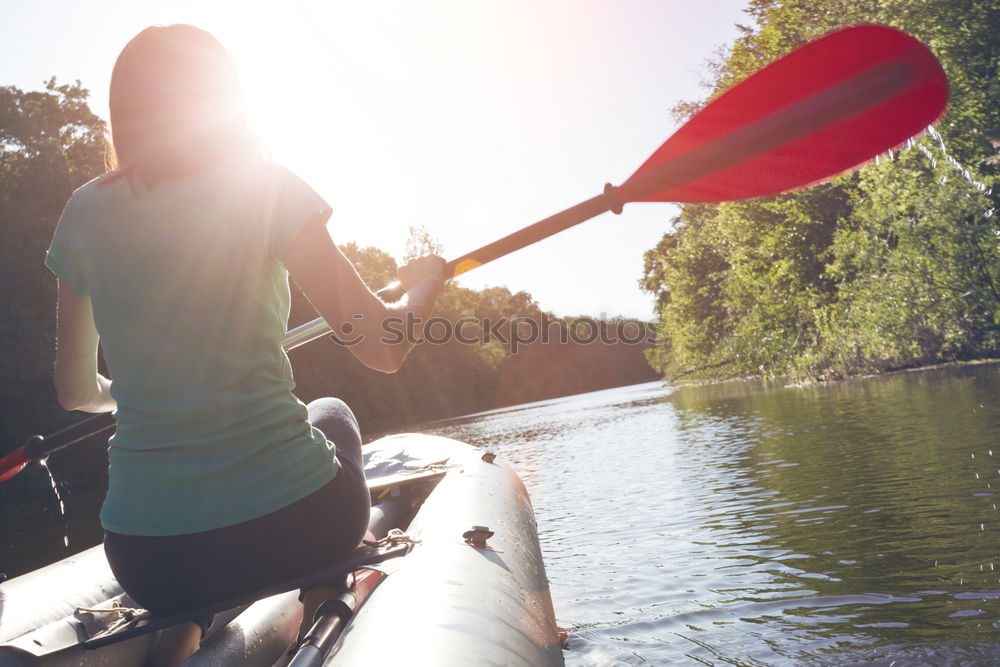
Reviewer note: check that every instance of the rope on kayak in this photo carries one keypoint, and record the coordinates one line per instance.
(433, 467)
(393, 538)
(128, 613)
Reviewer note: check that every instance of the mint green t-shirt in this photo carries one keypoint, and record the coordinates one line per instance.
(191, 302)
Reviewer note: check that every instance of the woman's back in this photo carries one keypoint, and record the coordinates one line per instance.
(221, 482)
(191, 302)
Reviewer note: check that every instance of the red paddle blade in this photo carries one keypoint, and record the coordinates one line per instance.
(13, 463)
(826, 107)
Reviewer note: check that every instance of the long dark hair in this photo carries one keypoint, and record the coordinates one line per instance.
(176, 106)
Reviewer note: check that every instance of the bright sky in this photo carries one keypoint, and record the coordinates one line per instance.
(473, 118)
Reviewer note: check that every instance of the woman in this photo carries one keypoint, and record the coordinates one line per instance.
(221, 482)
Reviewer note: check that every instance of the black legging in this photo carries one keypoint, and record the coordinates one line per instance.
(178, 572)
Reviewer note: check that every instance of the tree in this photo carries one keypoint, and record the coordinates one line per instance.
(420, 242)
(50, 144)
(376, 267)
(893, 266)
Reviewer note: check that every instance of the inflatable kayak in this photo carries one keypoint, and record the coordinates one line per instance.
(455, 578)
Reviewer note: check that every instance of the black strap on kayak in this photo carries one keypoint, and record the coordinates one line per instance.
(146, 622)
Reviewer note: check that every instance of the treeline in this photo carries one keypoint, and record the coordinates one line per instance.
(893, 266)
(51, 143)
(483, 349)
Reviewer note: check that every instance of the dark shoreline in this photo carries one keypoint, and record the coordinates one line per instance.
(899, 371)
(783, 381)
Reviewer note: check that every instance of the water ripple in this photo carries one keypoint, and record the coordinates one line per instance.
(753, 524)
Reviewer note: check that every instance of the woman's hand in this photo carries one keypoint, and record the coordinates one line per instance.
(335, 289)
(422, 277)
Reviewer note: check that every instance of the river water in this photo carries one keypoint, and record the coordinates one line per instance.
(755, 524)
(734, 524)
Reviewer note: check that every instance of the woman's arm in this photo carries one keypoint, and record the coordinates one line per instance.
(336, 291)
(78, 384)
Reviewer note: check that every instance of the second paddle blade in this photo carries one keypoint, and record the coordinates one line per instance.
(826, 107)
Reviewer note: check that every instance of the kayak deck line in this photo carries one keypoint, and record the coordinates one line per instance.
(380, 487)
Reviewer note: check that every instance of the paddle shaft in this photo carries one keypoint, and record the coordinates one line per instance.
(850, 97)
(38, 447)
(841, 101)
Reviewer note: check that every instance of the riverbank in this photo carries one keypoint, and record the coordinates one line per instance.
(899, 371)
(781, 382)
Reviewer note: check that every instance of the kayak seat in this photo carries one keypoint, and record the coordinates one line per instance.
(146, 622)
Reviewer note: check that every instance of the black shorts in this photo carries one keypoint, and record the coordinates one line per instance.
(168, 574)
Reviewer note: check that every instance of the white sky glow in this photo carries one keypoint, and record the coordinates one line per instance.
(472, 118)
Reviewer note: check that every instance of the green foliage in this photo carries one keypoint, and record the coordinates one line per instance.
(446, 376)
(50, 144)
(963, 35)
(919, 270)
(894, 266)
(686, 271)
(376, 267)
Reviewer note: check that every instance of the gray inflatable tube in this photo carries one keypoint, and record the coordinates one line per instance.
(449, 601)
